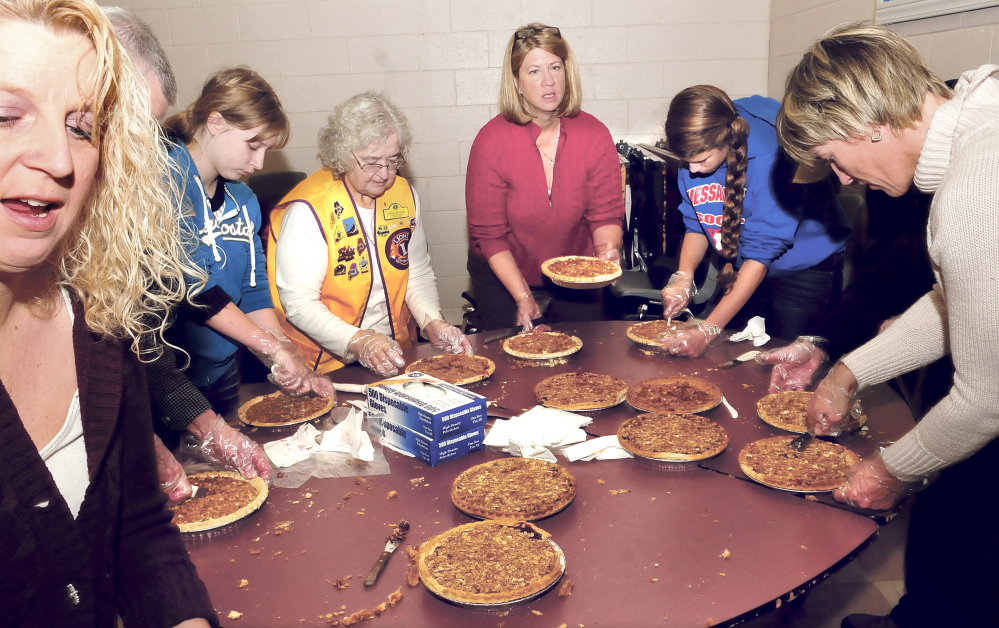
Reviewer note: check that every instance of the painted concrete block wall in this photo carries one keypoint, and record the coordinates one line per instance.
(950, 44)
(440, 60)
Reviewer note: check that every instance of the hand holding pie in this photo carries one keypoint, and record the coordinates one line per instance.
(872, 486)
(690, 339)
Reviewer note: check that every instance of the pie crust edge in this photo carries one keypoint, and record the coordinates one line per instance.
(769, 480)
(218, 522)
(669, 456)
(478, 511)
(490, 369)
(243, 409)
(544, 356)
(710, 387)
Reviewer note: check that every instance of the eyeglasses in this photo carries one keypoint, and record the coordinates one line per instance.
(371, 167)
(524, 33)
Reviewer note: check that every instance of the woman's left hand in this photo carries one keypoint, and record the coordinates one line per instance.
(447, 338)
(872, 486)
(690, 339)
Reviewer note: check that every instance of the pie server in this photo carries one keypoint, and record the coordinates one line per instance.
(504, 333)
(801, 443)
(745, 357)
(392, 544)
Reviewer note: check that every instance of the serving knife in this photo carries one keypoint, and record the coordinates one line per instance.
(503, 333)
(801, 443)
(745, 357)
(391, 544)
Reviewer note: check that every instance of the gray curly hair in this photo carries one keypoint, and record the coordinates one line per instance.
(356, 123)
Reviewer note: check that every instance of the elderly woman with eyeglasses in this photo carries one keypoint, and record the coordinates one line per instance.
(347, 258)
(543, 180)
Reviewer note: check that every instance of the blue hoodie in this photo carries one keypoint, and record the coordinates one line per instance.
(786, 227)
(229, 250)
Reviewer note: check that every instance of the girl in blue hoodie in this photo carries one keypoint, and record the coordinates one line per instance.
(221, 137)
(780, 243)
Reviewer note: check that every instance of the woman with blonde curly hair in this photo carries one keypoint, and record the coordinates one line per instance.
(91, 262)
(221, 137)
(780, 243)
(348, 259)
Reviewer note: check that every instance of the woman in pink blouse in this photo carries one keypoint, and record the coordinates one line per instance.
(543, 180)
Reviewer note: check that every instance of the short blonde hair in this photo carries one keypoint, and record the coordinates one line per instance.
(511, 103)
(355, 124)
(856, 77)
(124, 259)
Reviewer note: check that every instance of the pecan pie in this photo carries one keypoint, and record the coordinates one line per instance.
(277, 409)
(491, 562)
(674, 394)
(455, 369)
(542, 345)
(580, 391)
(577, 271)
(223, 497)
(650, 332)
(822, 466)
(672, 437)
(525, 489)
(787, 411)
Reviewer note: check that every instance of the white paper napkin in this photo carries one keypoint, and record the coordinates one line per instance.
(293, 449)
(602, 448)
(349, 437)
(538, 433)
(756, 330)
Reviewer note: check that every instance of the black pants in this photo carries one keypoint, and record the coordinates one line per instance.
(223, 393)
(495, 308)
(792, 304)
(952, 552)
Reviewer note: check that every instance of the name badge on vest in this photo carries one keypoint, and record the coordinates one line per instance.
(394, 211)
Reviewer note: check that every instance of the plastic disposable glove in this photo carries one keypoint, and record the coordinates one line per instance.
(446, 337)
(222, 442)
(287, 365)
(872, 486)
(794, 365)
(173, 480)
(834, 407)
(527, 311)
(690, 339)
(677, 293)
(607, 251)
(376, 352)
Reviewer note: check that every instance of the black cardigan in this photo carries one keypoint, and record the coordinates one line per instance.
(121, 556)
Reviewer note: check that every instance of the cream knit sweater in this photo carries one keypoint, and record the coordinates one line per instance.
(959, 163)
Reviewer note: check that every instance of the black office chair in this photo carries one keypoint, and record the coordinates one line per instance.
(270, 188)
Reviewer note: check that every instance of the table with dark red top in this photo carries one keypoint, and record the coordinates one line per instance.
(644, 546)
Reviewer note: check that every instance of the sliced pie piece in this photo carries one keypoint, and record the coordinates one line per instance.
(822, 466)
(455, 369)
(223, 497)
(491, 563)
(787, 411)
(542, 345)
(277, 409)
(578, 271)
(650, 332)
(525, 489)
(674, 394)
(580, 391)
(672, 437)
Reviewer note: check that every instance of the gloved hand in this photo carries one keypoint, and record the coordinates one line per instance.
(229, 446)
(834, 406)
(607, 251)
(690, 339)
(527, 311)
(677, 293)
(173, 480)
(447, 337)
(376, 352)
(871, 485)
(287, 365)
(794, 365)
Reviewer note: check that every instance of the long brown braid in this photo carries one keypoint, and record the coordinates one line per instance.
(703, 118)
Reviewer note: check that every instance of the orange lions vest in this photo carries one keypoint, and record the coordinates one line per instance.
(347, 286)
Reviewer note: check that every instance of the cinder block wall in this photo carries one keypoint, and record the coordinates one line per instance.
(440, 60)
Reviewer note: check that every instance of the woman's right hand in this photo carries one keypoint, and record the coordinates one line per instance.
(527, 311)
(676, 295)
(376, 352)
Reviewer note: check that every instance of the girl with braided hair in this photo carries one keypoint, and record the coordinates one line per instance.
(781, 243)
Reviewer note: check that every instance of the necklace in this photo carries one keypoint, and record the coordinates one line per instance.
(551, 160)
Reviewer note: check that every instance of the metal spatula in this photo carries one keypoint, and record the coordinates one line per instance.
(802, 442)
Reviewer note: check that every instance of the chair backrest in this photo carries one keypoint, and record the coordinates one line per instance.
(270, 188)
